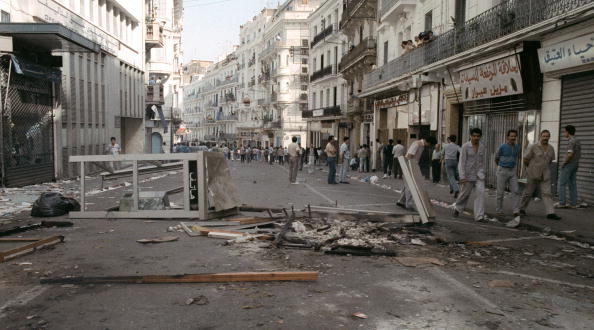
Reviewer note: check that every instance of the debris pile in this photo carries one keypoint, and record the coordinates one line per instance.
(333, 235)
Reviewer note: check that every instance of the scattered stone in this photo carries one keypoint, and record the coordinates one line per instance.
(418, 261)
(199, 300)
(360, 315)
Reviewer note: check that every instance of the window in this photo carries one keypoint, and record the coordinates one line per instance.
(361, 33)
(287, 60)
(304, 61)
(321, 99)
(429, 21)
(460, 12)
(315, 30)
(313, 100)
(5, 17)
(385, 52)
(328, 97)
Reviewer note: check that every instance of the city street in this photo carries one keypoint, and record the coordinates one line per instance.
(489, 276)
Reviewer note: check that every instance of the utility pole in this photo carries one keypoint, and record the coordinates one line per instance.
(171, 131)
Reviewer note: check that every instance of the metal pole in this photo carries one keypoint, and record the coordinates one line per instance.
(171, 131)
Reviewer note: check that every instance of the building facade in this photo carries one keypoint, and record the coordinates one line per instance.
(91, 88)
(482, 66)
(327, 88)
(163, 49)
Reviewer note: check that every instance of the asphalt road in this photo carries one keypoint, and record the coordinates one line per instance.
(553, 280)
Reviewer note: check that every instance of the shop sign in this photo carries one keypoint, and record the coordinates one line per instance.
(390, 102)
(568, 54)
(368, 117)
(494, 79)
(318, 113)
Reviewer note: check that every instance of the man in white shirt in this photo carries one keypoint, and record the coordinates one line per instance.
(114, 149)
(293, 153)
(345, 155)
(414, 154)
(397, 151)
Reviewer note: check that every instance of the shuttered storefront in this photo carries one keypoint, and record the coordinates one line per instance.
(577, 109)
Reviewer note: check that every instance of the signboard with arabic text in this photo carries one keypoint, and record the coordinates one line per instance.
(494, 79)
(568, 54)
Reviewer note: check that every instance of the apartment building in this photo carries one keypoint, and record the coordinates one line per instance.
(327, 88)
(163, 49)
(483, 67)
(358, 24)
(211, 106)
(75, 79)
(194, 70)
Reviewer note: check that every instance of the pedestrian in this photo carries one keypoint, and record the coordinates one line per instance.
(114, 149)
(280, 154)
(331, 159)
(472, 175)
(537, 158)
(301, 157)
(436, 163)
(397, 151)
(286, 155)
(226, 152)
(345, 156)
(414, 154)
(363, 154)
(242, 154)
(450, 156)
(569, 168)
(379, 157)
(294, 151)
(506, 159)
(425, 163)
(388, 158)
(271, 156)
(311, 159)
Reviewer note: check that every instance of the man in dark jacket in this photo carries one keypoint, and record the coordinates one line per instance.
(388, 158)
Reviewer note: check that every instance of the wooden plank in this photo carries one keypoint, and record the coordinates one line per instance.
(189, 278)
(5, 255)
(140, 214)
(131, 157)
(20, 239)
(247, 208)
(135, 185)
(202, 186)
(223, 235)
(354, 211)
(409, 179)
(249, 221)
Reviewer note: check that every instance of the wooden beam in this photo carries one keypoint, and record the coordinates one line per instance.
(5, 255)
(247, 208)
(250, 221)
(189, 278)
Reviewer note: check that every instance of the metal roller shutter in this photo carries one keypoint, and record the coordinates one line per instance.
(577, 109)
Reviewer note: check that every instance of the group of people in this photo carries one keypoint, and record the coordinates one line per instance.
(537, 159)
(422, 39)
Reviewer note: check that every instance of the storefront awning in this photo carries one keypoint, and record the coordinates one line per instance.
(51, 37)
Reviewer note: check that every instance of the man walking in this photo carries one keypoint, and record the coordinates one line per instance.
(436, 157)
(569, 169)
(363, 154)
(414, 154)
(450, 156)
(294, 155)
(472, 175)
(331, 159)
(506, 159)
(397, 151)
(538, 158)
(388, 158)
(345, 155)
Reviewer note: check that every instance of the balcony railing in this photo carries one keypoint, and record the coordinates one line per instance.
(227, 80)
(267, 51)
(154, 35)
(330, 69)
(275, 123)
(325, 32)
(155, 94)
(506, 18)
(365, 48)
(322, 112)
(350, 7)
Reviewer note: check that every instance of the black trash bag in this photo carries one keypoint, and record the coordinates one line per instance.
(53, 204)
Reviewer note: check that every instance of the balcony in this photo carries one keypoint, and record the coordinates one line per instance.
(322, 35)
(271, 123)
(273, 97)
(227, 81)
(267, 51)
(252, 82)
(227, 118)
(155, 94)
(322, 112)
(506, 18)
(154, 35)
(355, 9)
(365, 51)
(392, 9)
(230, 97)
(330, 69)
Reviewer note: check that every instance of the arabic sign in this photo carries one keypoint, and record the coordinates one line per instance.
(52, 12)
(318, 113)
(571, 53)
(392, 101)
(498, 78)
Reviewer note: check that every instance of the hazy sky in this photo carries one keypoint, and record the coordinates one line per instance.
(211, 27)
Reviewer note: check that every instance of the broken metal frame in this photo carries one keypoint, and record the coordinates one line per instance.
(31, 247)
(412, 177)
(202, 189)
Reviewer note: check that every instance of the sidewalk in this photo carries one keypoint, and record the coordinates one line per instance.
(576, 224)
